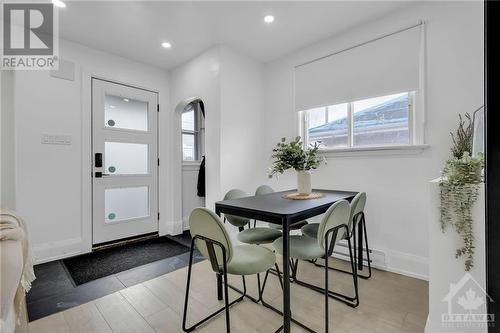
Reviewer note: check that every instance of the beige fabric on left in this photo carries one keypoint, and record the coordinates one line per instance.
(16, 269)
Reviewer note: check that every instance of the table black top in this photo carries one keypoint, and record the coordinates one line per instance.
(274, 208)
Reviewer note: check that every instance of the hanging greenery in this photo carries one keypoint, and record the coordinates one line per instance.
(459, 190)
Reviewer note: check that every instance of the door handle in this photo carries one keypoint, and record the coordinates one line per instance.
(99, 174)
(98, 160)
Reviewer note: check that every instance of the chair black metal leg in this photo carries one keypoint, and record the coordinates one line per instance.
(269, 306)
(226, 300)
(356, 253)
(279, 275)
(352, 301)
(186, 298)
(227, 304)
(219, 286)
(244, 291)
(368, 251)
(327, 296)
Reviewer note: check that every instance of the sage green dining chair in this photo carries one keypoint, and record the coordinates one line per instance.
(356, 220)
(331, 229)
(237, 221)
(259, 235)
(210, 237)
(266, 189)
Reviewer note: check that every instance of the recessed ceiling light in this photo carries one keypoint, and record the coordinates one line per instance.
(166, 45)
(126, 100)
(268, 18)
(59, 3)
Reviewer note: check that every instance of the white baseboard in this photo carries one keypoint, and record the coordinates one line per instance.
(185, 223)
(51, 251)
(392, 261)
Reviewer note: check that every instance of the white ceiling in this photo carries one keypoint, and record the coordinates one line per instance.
(135, 29)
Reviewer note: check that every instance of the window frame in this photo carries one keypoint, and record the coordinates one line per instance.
(413, 143)
(194, 133)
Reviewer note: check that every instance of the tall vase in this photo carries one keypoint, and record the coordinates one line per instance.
(304, 182)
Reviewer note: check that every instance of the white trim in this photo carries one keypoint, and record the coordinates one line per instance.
(375, 150)
(415, 129)
(391, 261)
(50, 251)
(86, 161)
(191, 165)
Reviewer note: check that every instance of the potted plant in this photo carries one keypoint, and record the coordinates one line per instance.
(459, 189)
(292, 155)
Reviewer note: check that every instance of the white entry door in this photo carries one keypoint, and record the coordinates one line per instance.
(125, 161)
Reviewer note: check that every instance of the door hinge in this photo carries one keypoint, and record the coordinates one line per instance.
(158, 107)
(158, 216)
(158, 162)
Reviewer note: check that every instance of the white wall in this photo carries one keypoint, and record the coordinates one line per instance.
(243, 161)
(53, 181)
(445, 269)
(198, 78)
(396, 185)
(230, 85)
(190, 198)
(7, 180)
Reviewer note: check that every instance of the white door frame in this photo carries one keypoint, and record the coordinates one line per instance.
(104, 229)
(87, 158)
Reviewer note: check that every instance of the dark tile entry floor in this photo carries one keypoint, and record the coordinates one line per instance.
(113, 260)
(54, 291)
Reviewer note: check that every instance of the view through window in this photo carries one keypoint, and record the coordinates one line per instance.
(189, 134)
(375, 121)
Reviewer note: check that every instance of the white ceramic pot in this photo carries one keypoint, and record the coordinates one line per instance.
(304, 182)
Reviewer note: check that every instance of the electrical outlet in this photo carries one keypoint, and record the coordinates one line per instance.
(56, 139)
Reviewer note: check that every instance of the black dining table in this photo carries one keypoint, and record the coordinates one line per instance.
(275, 208)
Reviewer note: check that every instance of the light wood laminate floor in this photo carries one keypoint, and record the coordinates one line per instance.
(389, 303)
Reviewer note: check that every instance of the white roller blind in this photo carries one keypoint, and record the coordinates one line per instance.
(380, 67)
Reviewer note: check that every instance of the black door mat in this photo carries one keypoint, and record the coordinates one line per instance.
(98, 264)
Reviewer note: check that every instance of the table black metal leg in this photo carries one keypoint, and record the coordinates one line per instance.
(286, 278)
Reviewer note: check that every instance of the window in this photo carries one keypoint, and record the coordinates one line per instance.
(190, 130)
(379, 121)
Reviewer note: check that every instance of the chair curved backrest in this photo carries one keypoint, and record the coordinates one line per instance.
(336, 215)
(204, 222)
(236, 220)
(357, 206)
(264, 189)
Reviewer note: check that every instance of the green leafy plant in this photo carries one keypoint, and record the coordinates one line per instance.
(459, 189)
(292, 155)
(462, 138)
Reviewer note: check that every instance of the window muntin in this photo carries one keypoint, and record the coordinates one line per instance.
(379, 121)
(190, 120)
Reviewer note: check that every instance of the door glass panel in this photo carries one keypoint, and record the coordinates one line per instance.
(125, 113)
(125, 158)
(126, 203)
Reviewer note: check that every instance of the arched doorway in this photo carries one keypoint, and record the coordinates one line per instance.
(191, 115)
